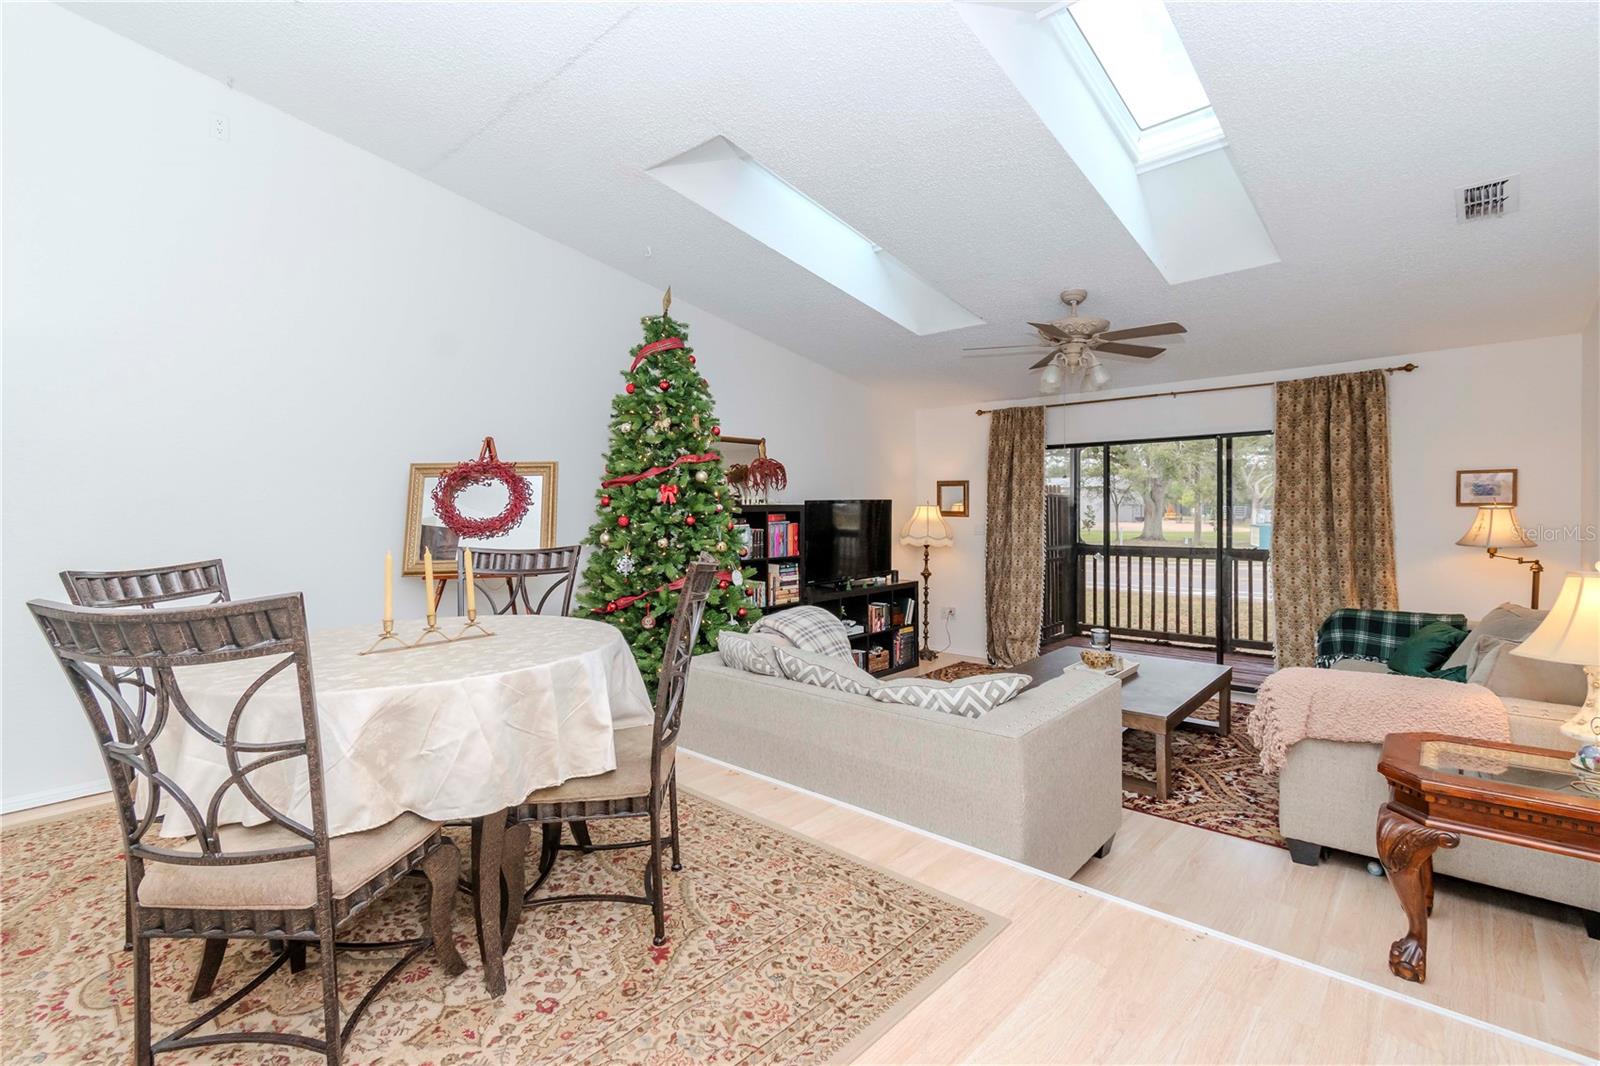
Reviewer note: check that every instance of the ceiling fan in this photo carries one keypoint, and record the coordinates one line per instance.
(1073, 345)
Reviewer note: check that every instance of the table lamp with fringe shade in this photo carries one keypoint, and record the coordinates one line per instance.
(1570, 633)
(926, 529)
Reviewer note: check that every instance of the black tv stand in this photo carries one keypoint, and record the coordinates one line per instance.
(900, 631)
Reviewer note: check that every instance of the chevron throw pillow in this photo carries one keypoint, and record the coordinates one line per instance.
(808, 628)
(970, 697)
(754, 655)
(825, 671)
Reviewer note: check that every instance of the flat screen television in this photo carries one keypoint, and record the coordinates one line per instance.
(846, 539)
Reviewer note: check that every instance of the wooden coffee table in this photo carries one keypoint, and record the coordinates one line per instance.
(1442, 788)
(1157, 700)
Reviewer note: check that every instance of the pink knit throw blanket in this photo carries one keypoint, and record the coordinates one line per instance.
(1300, 703)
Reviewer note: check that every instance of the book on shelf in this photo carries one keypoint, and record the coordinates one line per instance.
(860, 657)
(783, 584)
(905, 646)
(877, 617)
(744, 537)
(783, 536)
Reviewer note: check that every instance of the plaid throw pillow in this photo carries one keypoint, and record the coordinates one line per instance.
(1354, 633)
(753, 655)
(825, 671)
(808, 628)
(970, 697)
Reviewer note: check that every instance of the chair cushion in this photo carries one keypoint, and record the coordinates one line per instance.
(825, 671)
(630, 778)
(969, 697)
(809, 629)
(289, 884)
(752, 653)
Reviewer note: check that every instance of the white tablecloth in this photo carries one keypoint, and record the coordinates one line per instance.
(444, 731)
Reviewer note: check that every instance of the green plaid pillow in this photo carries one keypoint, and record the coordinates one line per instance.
(1358, 633)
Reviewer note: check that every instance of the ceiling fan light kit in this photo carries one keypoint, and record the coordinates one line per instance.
(1072, 345)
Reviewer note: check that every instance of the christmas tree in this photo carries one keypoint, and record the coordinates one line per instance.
(663, 502)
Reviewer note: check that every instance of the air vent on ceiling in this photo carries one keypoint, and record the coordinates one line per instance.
(1489, 200)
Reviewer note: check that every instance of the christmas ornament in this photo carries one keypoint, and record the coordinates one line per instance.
(622, 520)
(667, 493)
(722, 584)
(704, 384)
(716, 431)
(750, 591)
(688, 520)
(605, 538)
(663, 543)
(691, 359)
(730, 524)
(625, 427)
(628, 388)
(665, 385)
(737, 577)
(649, 620)
(624, 564)
(722, 546)
(484, 470)
(719, 506)
(700, 476)
(741, 612)
(605, 501)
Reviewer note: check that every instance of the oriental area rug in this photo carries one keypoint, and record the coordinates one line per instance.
(779, 950)
(1217, 782)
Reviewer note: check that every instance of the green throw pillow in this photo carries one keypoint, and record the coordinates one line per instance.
(1455, 673)
(1426, 649)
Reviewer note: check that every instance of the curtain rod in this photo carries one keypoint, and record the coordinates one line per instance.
(1404, 369)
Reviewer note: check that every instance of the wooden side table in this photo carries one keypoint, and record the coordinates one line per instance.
(1442, 788)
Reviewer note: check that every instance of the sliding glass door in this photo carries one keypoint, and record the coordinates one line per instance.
(1162, 539)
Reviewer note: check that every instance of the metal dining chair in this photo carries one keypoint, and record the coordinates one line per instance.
(148, 587)
(644, 781)
(515, 567)
(283, 880)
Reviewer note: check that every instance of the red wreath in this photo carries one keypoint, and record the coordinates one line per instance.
(483, 470)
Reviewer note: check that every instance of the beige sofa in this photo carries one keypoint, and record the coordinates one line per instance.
(1329, 794)
(1037, 779)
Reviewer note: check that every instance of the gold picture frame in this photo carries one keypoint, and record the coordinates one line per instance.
(956, 502)
(541, 516)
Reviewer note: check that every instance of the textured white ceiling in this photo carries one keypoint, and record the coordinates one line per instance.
(1350, 125)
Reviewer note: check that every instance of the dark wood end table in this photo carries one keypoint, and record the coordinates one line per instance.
(1157, 700)
(1442, 788)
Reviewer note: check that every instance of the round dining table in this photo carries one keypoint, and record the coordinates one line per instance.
(450, 731)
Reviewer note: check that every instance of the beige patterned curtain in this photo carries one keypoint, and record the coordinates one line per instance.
(1333, 520)
(1014, 539)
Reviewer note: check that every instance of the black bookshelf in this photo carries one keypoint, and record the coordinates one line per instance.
(898, 618)
(760, 518)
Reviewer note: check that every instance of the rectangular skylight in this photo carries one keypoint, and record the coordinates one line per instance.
(1140, 51)
(722, 178)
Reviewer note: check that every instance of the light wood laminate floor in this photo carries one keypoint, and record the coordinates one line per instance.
(1520, 963)
(1076, 977)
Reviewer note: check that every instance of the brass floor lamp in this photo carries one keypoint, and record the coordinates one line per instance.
(926, 529)
(1494, 527)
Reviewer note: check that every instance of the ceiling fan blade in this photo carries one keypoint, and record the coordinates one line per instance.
(1004, 347)
(1046, 361)
(1161, 329)
(1143, 351)
(1050, 331)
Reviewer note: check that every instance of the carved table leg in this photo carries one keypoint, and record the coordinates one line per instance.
(488, 849)
(1406, 848)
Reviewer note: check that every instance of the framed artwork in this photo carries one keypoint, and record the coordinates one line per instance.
(1474, 488)
(952, 497)
(424, 529)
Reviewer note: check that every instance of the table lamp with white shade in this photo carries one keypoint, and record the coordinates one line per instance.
(926, 529)
(1494, 528)
(1570, 633)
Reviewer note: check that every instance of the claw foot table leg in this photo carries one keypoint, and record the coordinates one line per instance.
(1406, 848)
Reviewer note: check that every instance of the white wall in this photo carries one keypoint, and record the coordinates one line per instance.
(1500, 405)
(235, 348)
(1591, 439)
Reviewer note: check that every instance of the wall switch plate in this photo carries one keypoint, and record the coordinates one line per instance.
(218, 126)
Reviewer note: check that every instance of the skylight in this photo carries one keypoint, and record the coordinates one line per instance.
(1130, 56)
(723, 178)
(1138, 48)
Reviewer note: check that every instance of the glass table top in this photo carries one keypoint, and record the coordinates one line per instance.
(1548, 773)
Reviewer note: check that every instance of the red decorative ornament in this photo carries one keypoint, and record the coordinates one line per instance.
(716, 431)
(484, 470)
(622, 520)
(722, 584)
(691, 359)
(730, 523)
(688, 520)
(704, 384)
(628, 388)
(742, 612)
(749, 590)
(605, 501)
(665, 384)
(667, 493)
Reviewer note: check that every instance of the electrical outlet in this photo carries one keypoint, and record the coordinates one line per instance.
(218, 126)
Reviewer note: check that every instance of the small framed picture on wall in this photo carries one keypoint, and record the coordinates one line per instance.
(952, 497)
(1475, 488)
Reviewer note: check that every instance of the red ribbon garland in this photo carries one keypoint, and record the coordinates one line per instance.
(665, 344)
(671, 586)
(630, 479)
